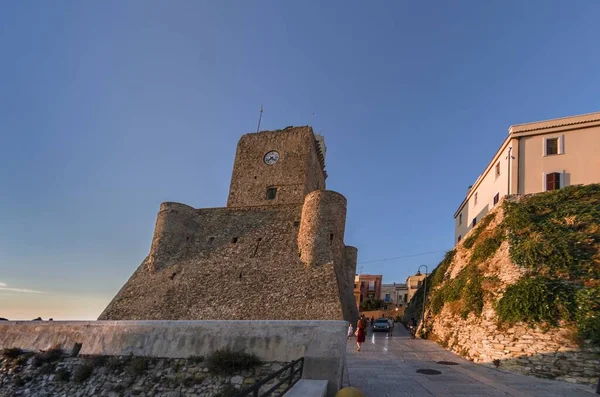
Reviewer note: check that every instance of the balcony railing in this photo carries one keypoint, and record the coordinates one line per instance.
(296, 367)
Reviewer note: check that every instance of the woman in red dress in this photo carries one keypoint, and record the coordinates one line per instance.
(361, 328)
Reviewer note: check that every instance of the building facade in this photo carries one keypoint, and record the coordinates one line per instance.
(413, 283)
(367, 286)
(535, 157)
(276, 251)
(394, 294)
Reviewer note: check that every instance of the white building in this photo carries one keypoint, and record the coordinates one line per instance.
(535, 157)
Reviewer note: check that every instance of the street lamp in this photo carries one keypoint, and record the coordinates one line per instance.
(424, 294)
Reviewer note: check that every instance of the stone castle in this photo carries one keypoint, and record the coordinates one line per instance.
(275, 252)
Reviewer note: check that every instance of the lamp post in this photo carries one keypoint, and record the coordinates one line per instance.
(424, 294)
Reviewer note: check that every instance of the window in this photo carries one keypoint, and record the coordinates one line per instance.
(405, 297)
(474, 221)
(271, 193)
(419, 283)
(361, 299)
(498, 169)
(387, 297)
(496, 198)
(234, 240)
(460, 218)
(553, 181)
(551, 146)
(458, 240)
(475, 198)
(371, 285)
(362, 284)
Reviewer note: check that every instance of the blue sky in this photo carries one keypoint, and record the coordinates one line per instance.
(109, 108)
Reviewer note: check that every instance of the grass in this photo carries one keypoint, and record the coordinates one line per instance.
(227, 362)
(48, 356)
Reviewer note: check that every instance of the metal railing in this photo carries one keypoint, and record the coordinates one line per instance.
(296, 367)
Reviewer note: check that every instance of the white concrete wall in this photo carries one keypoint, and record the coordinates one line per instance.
(322, 343)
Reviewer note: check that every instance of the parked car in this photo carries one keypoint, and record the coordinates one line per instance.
(381, 324)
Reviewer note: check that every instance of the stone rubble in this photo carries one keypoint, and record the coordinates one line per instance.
(114, 377)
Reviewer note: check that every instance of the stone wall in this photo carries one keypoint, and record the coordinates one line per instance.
(118, 376)
(296, 173)
(523, 348)
(229, 263)
(321, 343)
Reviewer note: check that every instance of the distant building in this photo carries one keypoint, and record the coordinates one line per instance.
(414, 283)
(367, 286)
(535, 157)
(394, 294)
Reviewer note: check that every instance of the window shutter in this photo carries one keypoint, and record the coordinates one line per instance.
(543, 181)
(561, 144)
(563, 181)
(544, 144)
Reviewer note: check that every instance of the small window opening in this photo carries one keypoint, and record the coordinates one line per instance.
(258, 240)
(187, 238)
(460, 218)
(475, 198)
(240, 276)
(497, 169)
(271, 193)
(474, 221)
(172, 276)
(296, 223)
(496, 198)
(330, 238)
(234, 240)
(211, 239)
(551, 146)
(459, 237)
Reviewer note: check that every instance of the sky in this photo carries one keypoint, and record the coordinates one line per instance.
(109, 108)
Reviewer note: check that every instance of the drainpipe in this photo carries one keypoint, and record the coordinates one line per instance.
(509, 157)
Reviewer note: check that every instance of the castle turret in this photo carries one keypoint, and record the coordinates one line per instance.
(321, 234)
(169, 235)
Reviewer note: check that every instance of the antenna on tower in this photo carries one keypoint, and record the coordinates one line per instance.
(259, 119)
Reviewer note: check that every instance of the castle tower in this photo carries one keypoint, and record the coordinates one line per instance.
(276, 251)
(277, 167)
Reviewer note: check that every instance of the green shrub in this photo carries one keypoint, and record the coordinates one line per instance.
(195, 359)
(557, 233)
(439, 273)
(137, 366)
(227, 361)
(536, 300)
(115, 364)
(488, 247)
(62, 375)
(82, 373)
(480, 227)
(48, 356)
(12, 352)
(587, 317)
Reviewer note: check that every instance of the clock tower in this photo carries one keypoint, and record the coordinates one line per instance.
(277, 167)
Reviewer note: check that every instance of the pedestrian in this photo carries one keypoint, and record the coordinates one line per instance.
(361, 327)
(350, 331)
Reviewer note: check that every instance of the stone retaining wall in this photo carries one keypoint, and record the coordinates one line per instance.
(126, 376)
(520, 348)
(322, 343)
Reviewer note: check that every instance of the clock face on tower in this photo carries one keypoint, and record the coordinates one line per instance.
(271, 157)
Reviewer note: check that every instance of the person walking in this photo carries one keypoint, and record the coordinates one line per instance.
(361, 327)
(350, 331)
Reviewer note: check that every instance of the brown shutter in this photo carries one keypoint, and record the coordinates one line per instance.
(553, 181)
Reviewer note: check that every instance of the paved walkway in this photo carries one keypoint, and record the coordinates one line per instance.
(386, 367)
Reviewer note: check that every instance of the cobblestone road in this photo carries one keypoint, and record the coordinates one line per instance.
(386, 367)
